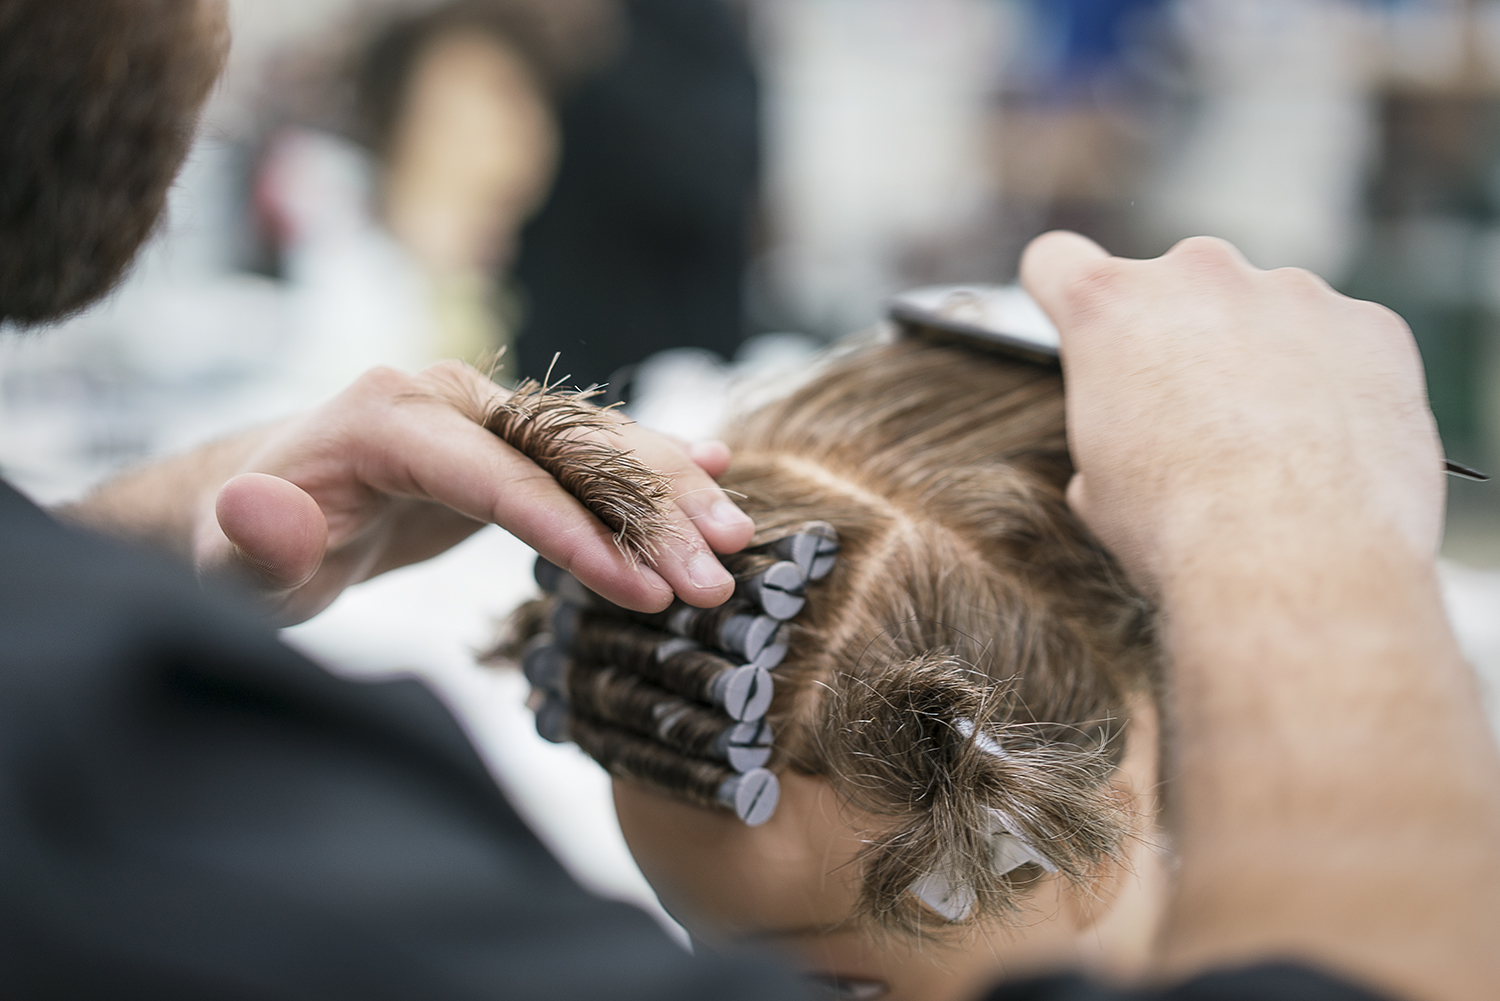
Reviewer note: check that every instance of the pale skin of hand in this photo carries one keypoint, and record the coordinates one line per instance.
(388, 473)
(1258, 451)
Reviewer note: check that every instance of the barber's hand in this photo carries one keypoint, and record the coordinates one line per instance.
(388, 473)
(1207, 396)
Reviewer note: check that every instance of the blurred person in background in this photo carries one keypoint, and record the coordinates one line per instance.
(1078, 120)
(644, 242)
(629, 131)
(457, 105)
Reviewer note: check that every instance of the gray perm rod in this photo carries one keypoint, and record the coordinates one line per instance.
(771, 657)
(565, 625)
(545, 665)
(752, 796)
(744, 692)
(745, 745)
(813, 548)
(777, 589)
(557, 581)
(748, 636)
(552, 720)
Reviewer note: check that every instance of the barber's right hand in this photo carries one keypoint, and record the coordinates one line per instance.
(390, 473)
(1209, 399)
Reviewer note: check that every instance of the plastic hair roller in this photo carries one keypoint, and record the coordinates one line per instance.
(752, 796)
(777, 590)
(814, 548)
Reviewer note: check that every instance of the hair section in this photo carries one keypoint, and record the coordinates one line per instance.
(966, 596)
(568, 436)
(968, 656)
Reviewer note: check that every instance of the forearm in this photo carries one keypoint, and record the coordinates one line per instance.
(1288, 655)
(160, 503)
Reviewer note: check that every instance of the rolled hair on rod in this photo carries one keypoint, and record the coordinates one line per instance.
(738, 627)
(972, 652)
(676, 664)
(625, 700)
(750, 795)
(965, 589)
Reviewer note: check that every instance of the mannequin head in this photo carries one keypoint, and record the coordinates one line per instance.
(963, 723)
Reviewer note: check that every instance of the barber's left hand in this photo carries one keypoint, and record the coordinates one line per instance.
(388, 473)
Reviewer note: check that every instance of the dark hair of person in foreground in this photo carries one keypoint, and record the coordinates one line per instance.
(101, 98)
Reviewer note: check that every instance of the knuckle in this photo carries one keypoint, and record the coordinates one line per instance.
(383, 378)
(377, 386)
(451, 369)
(1096, 285)
(1300, 281)
(1378, 315)
(1206, 254)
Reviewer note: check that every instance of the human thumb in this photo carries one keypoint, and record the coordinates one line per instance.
(276, 532)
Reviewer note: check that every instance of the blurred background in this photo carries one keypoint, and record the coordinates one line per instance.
(672, 197)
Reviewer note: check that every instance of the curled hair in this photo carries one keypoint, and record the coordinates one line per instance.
(966, 590)
(973, 651)
(98, 101)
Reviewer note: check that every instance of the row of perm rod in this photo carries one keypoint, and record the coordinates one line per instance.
(770, 588)
(654, 707)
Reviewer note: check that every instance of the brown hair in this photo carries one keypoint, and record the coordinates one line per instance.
(965, 590)
(98, 100)
(973, 648)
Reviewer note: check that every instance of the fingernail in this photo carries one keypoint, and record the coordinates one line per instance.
(726, 515)
(706, 572)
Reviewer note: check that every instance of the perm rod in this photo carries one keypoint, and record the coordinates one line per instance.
(545, 665)
(755, 638)
(776, 590)
(752, 796)
(746, 746)
(677, 664)
(814, 547)
(552, 720)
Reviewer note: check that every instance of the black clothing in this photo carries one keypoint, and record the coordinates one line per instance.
(644, 242)
(1269, 982)
(190, 810)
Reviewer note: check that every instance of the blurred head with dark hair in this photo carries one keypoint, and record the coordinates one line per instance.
(555, 42)
(457, 103)
(98, 103)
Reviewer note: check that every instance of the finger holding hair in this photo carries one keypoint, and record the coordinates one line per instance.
(399, 468)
